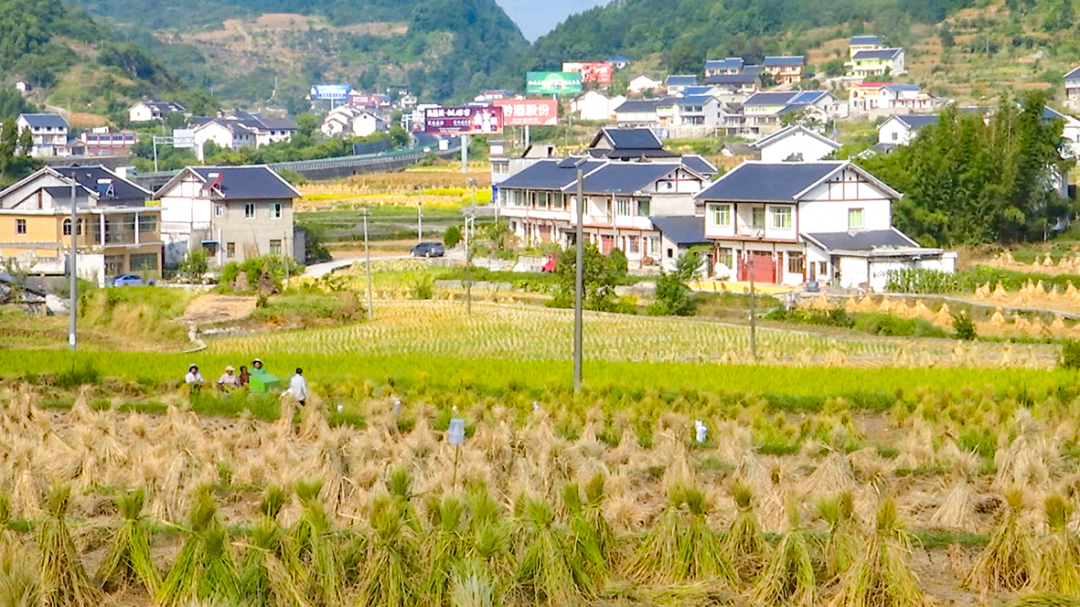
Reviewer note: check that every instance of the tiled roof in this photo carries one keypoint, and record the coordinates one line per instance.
(548, 175)
(681, 80)
(784, 61)
(862, 241)
(731, 63)
(768, 182)
(45, 120)
(245, 182)
(883, 53)
(681, 229)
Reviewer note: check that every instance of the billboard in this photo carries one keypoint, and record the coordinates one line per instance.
(529, 112)
(184, 139)
(463, 120)
(335, 92)
(552, 83)
(599, 72)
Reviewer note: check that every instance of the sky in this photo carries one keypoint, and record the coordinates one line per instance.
(538, 17)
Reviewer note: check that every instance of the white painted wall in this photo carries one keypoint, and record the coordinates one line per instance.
(894, 132)
(825, 208)
(140, 112)
(798, 142)
(184, 211)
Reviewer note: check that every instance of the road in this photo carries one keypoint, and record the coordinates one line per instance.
(317, 270)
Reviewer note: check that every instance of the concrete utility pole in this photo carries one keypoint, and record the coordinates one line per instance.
(470, 222)
(420, 217)
(579, 271)
(367, 255)
(464, 153)
(753, 315)
(73, 322)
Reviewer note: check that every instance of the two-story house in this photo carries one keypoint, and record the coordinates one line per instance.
(352, 121)
(1072, 88)
(102, 142)
(901, 129)
(49, 131)
(115, 232)
(237, 129)
(890, 97)
(794, 143)
(540, 202)
(864, 43)
(627, 144)
(676, 83)
(234, 213)
(594, 105)
(729, 66)
(878, 62)
(763, 111)
(148, 110)
(746, 81)
(785, 69)
(792, 222)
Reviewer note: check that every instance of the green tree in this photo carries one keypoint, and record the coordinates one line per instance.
(673, 294)
(452, 236)
(193, 266)
(26, 142)
(9, 142)
(600, 274)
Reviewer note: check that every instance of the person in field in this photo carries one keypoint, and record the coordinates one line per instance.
(298, 387)
(193, 376)
(229, 380)
(244, 376)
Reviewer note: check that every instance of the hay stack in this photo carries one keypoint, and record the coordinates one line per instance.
(866, 304)
(944, 317)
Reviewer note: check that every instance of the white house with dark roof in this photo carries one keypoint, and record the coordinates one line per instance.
(902, 128)
(149, 110)
(877, 62)
(676, 83)
(643, 84)
(729, 66)
(793, 222)
(763, 111)
(864, 43)
(236, 129)
(49, 132)
(1072, 88)
(234, 213)
(794, 143)
(888, 98)
(785, 69)
(746, 81)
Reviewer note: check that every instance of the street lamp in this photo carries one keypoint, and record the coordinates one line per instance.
(579, 269)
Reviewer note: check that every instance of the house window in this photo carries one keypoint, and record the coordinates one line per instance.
(143, 262)
(249, 210)
(67, 228)
(557, 201)
(895, 136)
(147, 224)
(275, 211)
(721, 214)
(781, 218)
(855, 219)
(643, 207)
(725, 256)
(230, 250)
(20, 226)
(622, 207)
(219, 210)
(654, 246)
(757, 217)
(634, 244)
(275, 247)
(794, 263)
(670, 253)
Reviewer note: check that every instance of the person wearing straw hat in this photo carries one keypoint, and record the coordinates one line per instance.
(229, 380)
(193, 377)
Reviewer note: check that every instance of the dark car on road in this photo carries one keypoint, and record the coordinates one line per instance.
(428, 249)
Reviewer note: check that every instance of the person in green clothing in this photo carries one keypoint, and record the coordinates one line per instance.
(257, 367)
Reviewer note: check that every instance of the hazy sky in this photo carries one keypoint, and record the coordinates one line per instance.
(538, 17)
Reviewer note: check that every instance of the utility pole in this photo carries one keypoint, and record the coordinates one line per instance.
(579, 271)
(469, 221)
(464, 153)
(367, 255)
(753, 315)
(420, 217)
(72, 324)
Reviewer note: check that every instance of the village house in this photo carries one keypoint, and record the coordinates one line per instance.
(619, 62)
(643, 84)
(889, 98)
(642, 112)
(627, 144)
(726, 67)
(233, 213)
(148, 110)
(23, 87)
(901, 129)
(675, 84)
(1072, 88)
(353, 121)
(236, 129)
(793, 222)
(115, 232)
(596, 106)
(794, 143)
(101, 142)
(747, 81)
(877, 62)
(49, 132)
(785, 69)
(858, 44)
(763, 112)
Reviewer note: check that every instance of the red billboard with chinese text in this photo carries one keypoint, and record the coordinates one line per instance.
(529, 112)
(599, 72)
(467, 120)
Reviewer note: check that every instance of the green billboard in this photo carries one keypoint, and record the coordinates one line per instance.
(552, 83)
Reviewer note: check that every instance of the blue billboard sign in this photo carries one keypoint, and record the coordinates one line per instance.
(333, 92)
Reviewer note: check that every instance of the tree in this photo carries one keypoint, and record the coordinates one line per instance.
(452, 236)
(194, 266)
(673, 294)
(9, 143)
(26, 142)
(600, 274)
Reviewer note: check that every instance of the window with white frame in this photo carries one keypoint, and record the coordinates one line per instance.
(725, 256)
(542, 200)
(219, 210)
(855, 219)
(795, 262)
(720, 215)
(275, 210)
(622, 207)
(249, 210)
(781, 218)
(757, 217)
(643, 207)
(654, 246)
(557, 201)
(634, 245)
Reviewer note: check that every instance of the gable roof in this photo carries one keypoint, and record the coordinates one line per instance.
(89, 177)
(914, 122)
(784, 60)
(623, 177)
(1073, 74)
(770, 98)
(861, 241)
(1049, 113)
(636, 139)
(861, 40)
(695, 100)
(755, 181)
(881, 53)
(238, 182)
(746, 77)
(681, 229)
(681, 80)
(549, 174)
(701, 89)
(45, 120)
(699, 164)
(640, 105)
(164, 107)
(731, 63)
(902, 87)
(619, 59)
(788, 131)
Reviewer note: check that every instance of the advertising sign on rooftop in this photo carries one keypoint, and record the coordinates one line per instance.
(469, 120)
(529, 112)
(552, 83)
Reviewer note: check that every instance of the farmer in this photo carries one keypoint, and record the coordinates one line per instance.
(193, 377)
(298, 387)
(257, 367)
(244, 377)
(229, 379)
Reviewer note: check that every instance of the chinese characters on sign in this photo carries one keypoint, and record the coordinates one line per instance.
(463, 120)
(552, 83)
(529, 112)
(598, 72)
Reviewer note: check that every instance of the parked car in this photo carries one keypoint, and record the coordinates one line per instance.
(428, 249)
(131, 280)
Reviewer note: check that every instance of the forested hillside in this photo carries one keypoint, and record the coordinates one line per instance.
(271, 52)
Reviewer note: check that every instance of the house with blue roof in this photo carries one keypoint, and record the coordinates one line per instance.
(619, 62)
(794, 222)
(763, 111)
(49, 132)
(785, 69)
(867, 97)
(877, 62)
(729, 66)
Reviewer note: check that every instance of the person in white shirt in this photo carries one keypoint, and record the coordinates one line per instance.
(298, 387)
(229, 379)
(193, 376)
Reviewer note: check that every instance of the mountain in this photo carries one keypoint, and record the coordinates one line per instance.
(538, 18)
(272, 51)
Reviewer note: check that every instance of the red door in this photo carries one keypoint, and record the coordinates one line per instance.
(607, 242)
(763, 266)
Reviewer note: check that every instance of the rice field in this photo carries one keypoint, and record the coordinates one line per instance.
(445, 329)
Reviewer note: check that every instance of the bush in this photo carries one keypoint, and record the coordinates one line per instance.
(452, 237)
(1070, 354)
(894, 326)
(194, 266)
(308, 310)
(965, 329)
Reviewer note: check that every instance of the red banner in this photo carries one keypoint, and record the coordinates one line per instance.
(529, 112)
(463, 120)
(599, 72)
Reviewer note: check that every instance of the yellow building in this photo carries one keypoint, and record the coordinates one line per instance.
(116, 232)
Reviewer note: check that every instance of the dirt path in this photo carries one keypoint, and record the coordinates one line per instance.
(212, 307)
